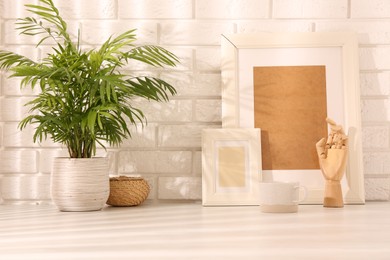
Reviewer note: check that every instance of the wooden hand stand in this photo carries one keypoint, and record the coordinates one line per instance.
(332, 155)
(333, 195)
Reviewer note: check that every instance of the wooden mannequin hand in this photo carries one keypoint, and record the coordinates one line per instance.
(332, 160)
(332, 155)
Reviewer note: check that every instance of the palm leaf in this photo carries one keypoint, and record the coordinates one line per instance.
(9, 59)
(153, 55)
(151, 88)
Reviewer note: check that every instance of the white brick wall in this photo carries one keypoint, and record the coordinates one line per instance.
(306, 9)
(167, 151)
(370, 9)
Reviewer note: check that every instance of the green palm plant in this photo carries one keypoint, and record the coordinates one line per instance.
(84, 99)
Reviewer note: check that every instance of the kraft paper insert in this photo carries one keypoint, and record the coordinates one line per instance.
(290, 109)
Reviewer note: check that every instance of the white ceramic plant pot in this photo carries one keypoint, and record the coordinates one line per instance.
(80, 184)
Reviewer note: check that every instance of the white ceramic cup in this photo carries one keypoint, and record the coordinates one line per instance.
(280, 197)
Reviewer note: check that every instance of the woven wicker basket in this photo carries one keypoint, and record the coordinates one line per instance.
(127, 191)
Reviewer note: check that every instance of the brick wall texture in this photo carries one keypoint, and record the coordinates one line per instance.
(168, 151)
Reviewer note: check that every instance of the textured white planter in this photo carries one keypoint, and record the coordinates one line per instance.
(80, 184)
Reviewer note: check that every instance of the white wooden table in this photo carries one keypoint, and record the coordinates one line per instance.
(190, 231)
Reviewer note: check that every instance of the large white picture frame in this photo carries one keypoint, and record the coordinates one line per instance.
(338, 52)
(231, 163)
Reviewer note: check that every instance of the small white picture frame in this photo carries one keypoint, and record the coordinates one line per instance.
(231, 165)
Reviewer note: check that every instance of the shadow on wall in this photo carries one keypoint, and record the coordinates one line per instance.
(188, 188)
(30, 189)
(1, 195)
(375, 105)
